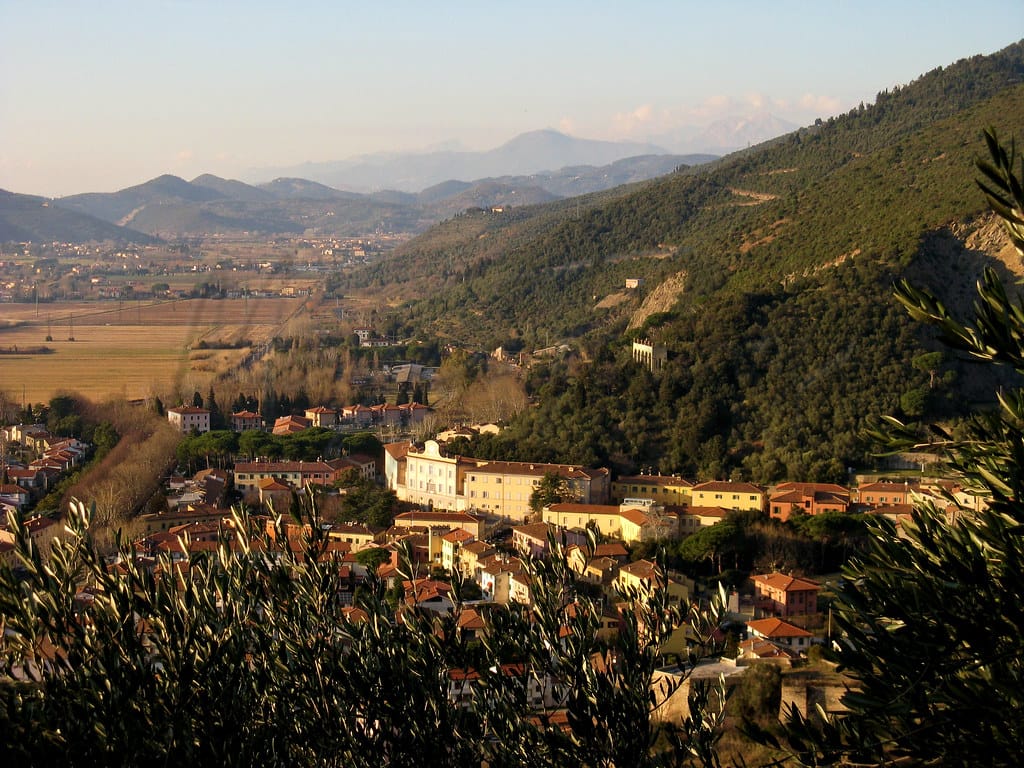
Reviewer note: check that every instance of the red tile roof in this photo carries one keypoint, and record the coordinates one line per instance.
(785, 583)
(725, 485)
(772, 628)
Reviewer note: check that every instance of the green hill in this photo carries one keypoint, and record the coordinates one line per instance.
(767, 275)
(29, 218)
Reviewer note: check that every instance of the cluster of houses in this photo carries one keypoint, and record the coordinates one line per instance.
(188, 419)
(779, 625)
(474, 517)
(32, 461)
(636, 507)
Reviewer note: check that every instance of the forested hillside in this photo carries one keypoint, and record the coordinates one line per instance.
(784, 338)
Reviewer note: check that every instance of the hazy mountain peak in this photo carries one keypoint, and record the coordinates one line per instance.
(532, 152)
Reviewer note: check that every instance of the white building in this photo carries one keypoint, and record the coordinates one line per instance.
(185, 418)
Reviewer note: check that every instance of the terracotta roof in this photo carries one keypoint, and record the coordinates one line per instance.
(636, 517)
(353, 614)
(186, 409)
(894, 487)
(25, 473)
(501, 564)
(706, 511)
(602, 564)
(892, 509)
(478, 548)
(655, 480)
(536, 469)
(457, 535)
(533, 530)
(785, 583)
(725, 485)
(39, 524)
(611, 549)
(809, 488)
(353, 528)
(763, 649)
(470, 618)
(789, 497)
(771, 628)
(590, 509)
(643, 569)
(270, 467)
(423, 516)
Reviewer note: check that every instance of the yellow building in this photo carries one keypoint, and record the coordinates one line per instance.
(643, 576)
(661, 489)
(718, 493)
(650, 524)
(501, 488)
(625, 522)
(567, 515)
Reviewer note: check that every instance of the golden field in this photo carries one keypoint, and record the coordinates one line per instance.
(129, 349)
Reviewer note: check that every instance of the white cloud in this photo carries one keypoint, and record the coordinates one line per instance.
(825, 105)
(651, 120)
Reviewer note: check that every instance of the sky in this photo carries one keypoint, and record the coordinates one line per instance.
(96, 96)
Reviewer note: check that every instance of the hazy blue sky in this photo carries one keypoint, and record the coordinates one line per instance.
(96, 95)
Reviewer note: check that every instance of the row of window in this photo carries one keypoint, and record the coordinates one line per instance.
(514, 480)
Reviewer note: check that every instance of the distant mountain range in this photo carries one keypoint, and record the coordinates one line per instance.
(170, 207)
(526, 154)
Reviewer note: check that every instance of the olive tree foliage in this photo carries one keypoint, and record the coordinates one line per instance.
(933, 615)
(245, 654)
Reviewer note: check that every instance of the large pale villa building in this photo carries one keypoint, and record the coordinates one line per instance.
(501, 488)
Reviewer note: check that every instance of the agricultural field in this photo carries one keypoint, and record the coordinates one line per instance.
(130, 349)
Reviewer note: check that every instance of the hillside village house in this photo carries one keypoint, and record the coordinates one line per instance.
(531, 540)
(472, 557)
(395, 463)
(600, 567)
(186, 418)
(297, 474)
(781, 633)
(644, 576)
(884, 494)
(461, 483)
(246, 420)
(807, 499)
(289, 425)
(692, 519)
(433, 479)
(322, 416)
(519, 588)
(624, 522)
(451, 544)
(274, 494)
(649, 524)
(738, 496)
(783, 596)
(496, 577)
(434, 520)
(504, 488)
(358, 535)
(660, 489)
